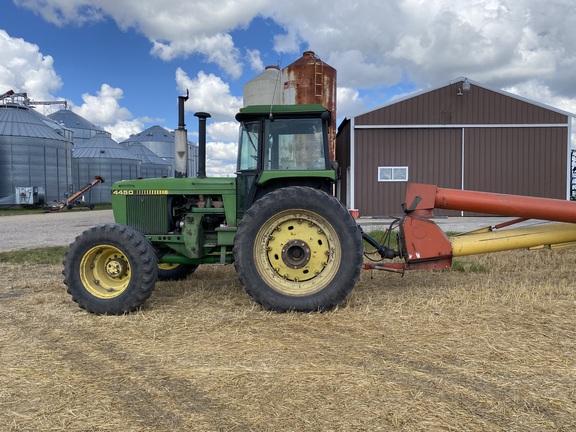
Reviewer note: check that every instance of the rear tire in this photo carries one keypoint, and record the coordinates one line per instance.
(110, 269)
(298, 249)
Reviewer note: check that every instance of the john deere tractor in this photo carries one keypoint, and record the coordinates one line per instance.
(294, 245)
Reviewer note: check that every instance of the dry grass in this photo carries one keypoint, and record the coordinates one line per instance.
(450, 351)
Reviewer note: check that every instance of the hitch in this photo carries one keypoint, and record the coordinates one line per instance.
(384, 251)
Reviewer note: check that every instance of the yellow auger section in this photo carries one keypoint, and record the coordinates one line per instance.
(536, 236)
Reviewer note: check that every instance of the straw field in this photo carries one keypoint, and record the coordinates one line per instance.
(491, 347)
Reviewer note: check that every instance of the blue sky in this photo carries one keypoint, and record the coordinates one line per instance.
(122, 63)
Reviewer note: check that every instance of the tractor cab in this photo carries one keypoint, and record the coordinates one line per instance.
(279, 146)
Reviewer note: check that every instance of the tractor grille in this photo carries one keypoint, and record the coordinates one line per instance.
(148, 213)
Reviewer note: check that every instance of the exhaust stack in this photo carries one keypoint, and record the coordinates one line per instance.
(181, 141)
(202, 116)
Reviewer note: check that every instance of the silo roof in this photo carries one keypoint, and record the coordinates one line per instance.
(74, 121)
(145, 154)
(152, 134)
(101, 146)
(18, 120)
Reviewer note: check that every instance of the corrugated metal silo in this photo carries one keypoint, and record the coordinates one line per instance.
(161, 142)
(264, 89)
(82, 128)
(310, 80)
(104, 157)
(153, 166)
(34, 152)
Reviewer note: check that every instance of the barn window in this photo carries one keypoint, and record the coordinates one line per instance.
(393, 174)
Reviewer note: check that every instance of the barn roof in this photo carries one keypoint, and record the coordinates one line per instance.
(475, 83)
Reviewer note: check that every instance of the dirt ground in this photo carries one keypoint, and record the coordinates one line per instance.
(490, 348)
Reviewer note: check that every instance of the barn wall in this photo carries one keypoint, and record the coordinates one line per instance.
(343, 159)
(518, 147)
(432, 156)
(520, 161)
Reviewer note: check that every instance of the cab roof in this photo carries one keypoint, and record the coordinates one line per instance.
(280, 110)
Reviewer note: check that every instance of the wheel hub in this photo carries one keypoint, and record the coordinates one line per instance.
(296, 254)
(116, 268)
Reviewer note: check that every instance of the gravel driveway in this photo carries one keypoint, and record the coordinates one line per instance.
(61, 228)
(48, 229)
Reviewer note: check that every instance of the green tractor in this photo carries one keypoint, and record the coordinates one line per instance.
(294, 245)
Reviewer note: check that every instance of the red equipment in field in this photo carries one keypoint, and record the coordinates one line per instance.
(423, 245)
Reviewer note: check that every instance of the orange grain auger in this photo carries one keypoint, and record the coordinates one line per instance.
(71, 200)
(423, 245)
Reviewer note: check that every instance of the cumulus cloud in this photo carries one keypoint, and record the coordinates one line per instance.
(538, 91)
(523, 45)
(255, 61)
(208, 93)
(223, 131)
(24, 69)
(349, 103)
(175, 28)
(104, 109)
(221, 158)
(498, 42)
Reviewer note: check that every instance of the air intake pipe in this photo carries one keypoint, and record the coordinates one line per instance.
(181, 141)
(202, 116)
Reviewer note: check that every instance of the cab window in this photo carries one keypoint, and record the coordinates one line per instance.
(294, 144)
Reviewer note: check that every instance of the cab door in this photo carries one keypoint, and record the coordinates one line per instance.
(249, 165)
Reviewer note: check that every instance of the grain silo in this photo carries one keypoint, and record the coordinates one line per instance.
(264, 89)
(161, 142)
(104, 157)
(82, 128)
(153, 166)
(311, 81)
(35, 154)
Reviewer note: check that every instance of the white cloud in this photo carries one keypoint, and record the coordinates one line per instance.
(221, 158)
(104, 109)
(538, 91)
(349, 103)
(175, 28)
(498, 42)
(123, 129)
(223, 131)
(255, 61)
(373, 45)
(61, 12)
(24, 69)
(210, 94)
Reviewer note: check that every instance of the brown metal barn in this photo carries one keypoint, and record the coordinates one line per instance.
(463, 135)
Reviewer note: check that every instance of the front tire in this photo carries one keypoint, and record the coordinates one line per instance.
(175, 272)
(298, 249)
(110, 269)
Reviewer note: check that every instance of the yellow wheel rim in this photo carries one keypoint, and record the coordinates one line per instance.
(167, 266)
(105, 271)
(297, 252)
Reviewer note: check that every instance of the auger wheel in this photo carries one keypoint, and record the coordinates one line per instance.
(297, 248)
